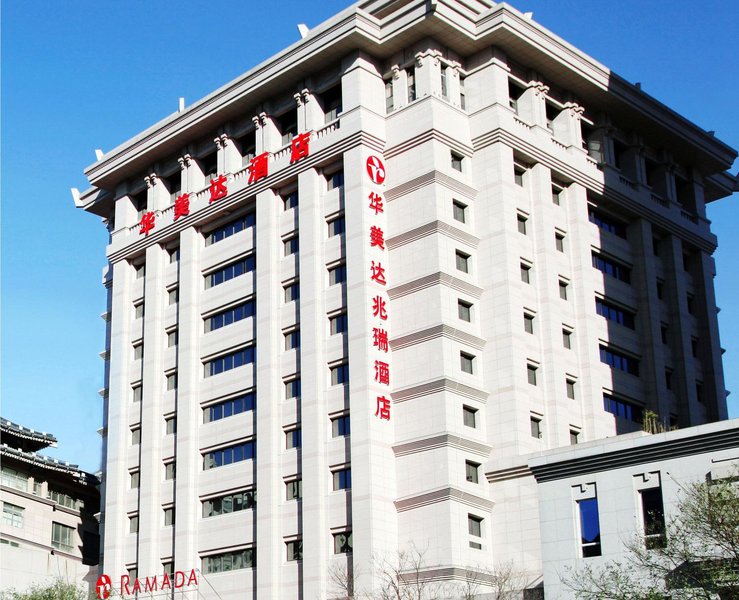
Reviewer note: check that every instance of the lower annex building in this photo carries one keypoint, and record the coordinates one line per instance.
(49, 529)
(352, 288)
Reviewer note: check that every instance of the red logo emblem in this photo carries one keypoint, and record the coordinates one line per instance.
(103, 587)
(375, 169)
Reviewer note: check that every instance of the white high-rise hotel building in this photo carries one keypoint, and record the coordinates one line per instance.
(536, 239)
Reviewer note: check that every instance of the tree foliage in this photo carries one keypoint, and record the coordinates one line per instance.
(698, 559)
(58, 590)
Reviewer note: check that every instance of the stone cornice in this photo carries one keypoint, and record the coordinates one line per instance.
(447, 494)
(439, 385)
(443, 440)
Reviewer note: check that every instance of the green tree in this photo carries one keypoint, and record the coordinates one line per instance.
(697, 559)
(58, 590)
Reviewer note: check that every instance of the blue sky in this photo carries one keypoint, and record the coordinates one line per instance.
(91, 73)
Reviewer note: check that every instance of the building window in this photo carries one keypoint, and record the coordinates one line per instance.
(589, 527)
(294, 550)
(292, 292)
(563, 285)
(64, 499)
(472, 471)
(466, 362)
(228, 408)
(464, 310)
(132, 573)
(233, 360)
(668, 379)
(337, 274)
(570, 385)
(623, 409)
(531, 373)
(343, 542)
(653, 518)
(292, 389)
(574, 437)
(459, 211)
(528, 323)
(663, 333)
(140, 270)
(230, 271)
(136, 393)
(135, 436)
(336, 226)
(222, 505)
(615, 313)
(462, 261)
(135, 480)
(389, 96)
(230, 561)
(229, 455)
(456, 161)
(170, 425)
(521, 221)
(474, 528)
(290, 200)
(133, 524)
(170, 470)
(13, 515)
(294, 489)
(62, 537)
(14, 479)
(340, 374)
(567, 338)
(342, 479)
(172, 338)
(229, 316)
(338, 323)
(690, 301)
(292, 339)
(699, 391)
(607, 223)
(293, 438)
(469, 416)
(138, 310)
(290, 245)
(411, 84)
(229, 229)
(525, 273)
(169, 516)
(139, 203)
(331, 102)
(559, 241)
(138, 351)
(168, 568)
(334, 180)
(287, 125)
(174, 255)
(611, 267)
(620, 361)
(340, 426)
(519, 172)
(536, 430)
(557, 192)
(172, 381)
(209, 166)
(660, 289)
(173, 296)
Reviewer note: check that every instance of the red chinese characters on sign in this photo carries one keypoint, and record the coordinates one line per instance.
(382, 372)
(377, 238)
(218, 188)
(258, 167)
(376, 203)
(147, 223)
(379, 339)
(379, 308)
(383, 408)
(375, 169)
(300, 146)
(378, 273)
(181, 206)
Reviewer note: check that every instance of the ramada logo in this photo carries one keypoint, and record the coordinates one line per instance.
(129, 587)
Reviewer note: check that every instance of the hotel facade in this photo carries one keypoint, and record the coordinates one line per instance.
(353, 290)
